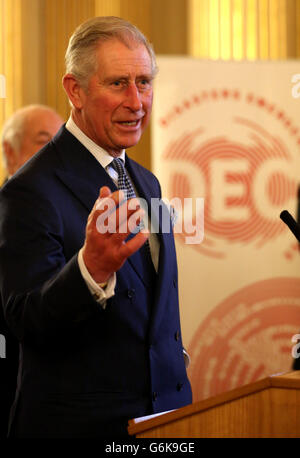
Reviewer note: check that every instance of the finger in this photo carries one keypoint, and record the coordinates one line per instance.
(104, 192)
(110, 217)
(119, 223)
(106, 206)
(106, 214)
(117, 197)
(126, 212)
(130, 224)
(135, 243)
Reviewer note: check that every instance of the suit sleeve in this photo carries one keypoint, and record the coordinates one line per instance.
(43, 293)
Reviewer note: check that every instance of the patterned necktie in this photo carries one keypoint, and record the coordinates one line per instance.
(125, 185)
(123, 181)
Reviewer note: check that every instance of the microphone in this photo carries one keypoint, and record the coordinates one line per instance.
(291, 223)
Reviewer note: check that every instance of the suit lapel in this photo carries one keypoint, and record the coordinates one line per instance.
(135, 260)
(80, 171)
(167, 269)
(167, 273)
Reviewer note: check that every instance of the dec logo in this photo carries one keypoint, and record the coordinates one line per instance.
(246, 174)
(246, 337)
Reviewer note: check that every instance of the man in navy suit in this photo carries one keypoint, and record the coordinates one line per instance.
(96, 311)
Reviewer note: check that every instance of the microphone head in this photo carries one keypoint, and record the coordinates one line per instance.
(285, 215)
(291, 223)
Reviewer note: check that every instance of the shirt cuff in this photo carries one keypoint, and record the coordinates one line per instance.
(99, 294)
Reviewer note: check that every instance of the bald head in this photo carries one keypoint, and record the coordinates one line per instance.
(27, 131)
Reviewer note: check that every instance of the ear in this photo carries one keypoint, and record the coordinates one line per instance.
(11, 158)
(74, 91)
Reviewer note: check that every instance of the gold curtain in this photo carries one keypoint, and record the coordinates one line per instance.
(62, 17)
(10, 58)
(244, 29)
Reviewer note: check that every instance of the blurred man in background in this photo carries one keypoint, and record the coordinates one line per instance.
(23, 134)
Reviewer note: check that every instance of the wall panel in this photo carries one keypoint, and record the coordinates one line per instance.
(244, 29)
(11, 62)
(62, 17)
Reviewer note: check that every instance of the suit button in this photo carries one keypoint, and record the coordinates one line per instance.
(179, 386)
(154, 396)
(177, 335)
(130, 293)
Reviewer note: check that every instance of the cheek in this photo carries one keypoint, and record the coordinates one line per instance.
(106, 104)
(147, 105)
(31, 149)
(147, 102)
(27, 147)
(103, 113)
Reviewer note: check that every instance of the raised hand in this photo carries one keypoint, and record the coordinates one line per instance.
(109, 224)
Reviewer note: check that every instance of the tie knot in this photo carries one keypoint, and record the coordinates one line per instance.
(123, 180)
(119, 166)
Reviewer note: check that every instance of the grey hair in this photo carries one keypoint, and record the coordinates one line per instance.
(14, 127)
(81, 58)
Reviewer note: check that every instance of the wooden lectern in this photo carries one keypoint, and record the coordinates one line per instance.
(267, 408)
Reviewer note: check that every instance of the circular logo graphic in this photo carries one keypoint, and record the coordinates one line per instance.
(243, 162)
(246, 337)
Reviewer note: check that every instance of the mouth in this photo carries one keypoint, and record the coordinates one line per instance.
(130, 123)
(130, 126)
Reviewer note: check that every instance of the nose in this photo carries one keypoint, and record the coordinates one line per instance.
(133, 98)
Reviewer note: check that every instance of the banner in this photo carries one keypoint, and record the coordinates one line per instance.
(226, 149)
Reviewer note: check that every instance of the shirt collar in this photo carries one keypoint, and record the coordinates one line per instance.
(102, 156)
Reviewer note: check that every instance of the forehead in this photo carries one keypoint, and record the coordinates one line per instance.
(113, 56)
(42, 120)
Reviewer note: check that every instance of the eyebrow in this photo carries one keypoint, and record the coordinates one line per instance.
(43, 133)
(149, 76)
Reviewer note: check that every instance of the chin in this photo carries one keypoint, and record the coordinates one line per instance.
(130, 144)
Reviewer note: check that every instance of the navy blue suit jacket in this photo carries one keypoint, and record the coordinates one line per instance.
(84, 371)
